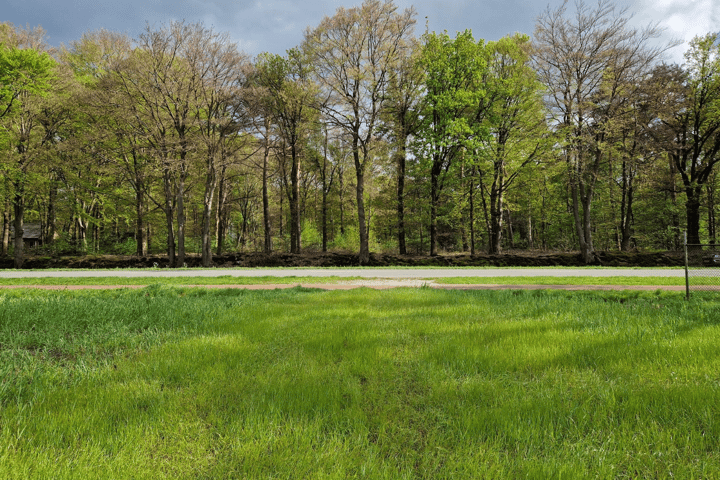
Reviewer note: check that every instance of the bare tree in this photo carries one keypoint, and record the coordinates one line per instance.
(219, 112)
(354, 53)
(290, 95)
(403, 119)
(181, 87)
(590, 60)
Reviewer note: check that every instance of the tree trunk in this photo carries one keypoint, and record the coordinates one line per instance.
(626, 203)
(81, 229)
(712, 223)
(19, 213)
(402, 247)
(692, 210)
(7, 214)
(141, 243)
(324, 219)
(149, 237)
(434, 201)
(222, 213)
(471, 199)
(266, 201)
(511, 234)
(210, 186)
(295, 227)
(169, 220)
(496, 213)
(180, 205)
(364, 254)
(96, 227)
(341, 184)
(582, 193)
(627, 215)
(51, 214)
(325, 192)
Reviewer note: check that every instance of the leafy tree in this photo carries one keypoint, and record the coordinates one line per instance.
(103, 154)
(518, 135)
(27, 77)
(453, 109)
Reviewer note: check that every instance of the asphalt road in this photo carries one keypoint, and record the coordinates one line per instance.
(390, 273)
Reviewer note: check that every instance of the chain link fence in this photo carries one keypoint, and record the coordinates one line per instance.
(702, 267)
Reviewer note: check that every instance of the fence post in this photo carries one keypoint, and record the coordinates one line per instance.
(687, 276)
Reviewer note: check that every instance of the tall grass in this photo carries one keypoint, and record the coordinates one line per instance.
(408, 383)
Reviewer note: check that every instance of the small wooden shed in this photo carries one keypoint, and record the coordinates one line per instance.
(32, 233)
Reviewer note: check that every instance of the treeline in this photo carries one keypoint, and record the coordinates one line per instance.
(364, 137)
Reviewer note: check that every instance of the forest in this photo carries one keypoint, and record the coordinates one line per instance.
(366, 137)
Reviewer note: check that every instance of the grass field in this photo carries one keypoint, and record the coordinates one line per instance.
(173, 382)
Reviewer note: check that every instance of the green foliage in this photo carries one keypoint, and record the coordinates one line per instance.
(454, 73)
(311, 238)
(99, 148)
(93, 56)
(23, 73)
(348, 241)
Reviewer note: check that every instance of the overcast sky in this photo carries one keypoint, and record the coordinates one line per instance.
(276, 25)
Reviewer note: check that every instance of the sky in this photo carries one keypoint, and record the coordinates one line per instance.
(277, 25)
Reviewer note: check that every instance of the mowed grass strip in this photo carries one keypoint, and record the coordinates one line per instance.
(168, 382)
(577, 280)
(270, 280)
(177, 281)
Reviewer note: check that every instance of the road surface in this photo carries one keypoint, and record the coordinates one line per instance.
(389, 273)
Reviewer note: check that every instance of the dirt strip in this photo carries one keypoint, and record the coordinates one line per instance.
(378, 286)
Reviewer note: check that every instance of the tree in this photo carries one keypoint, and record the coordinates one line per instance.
(326, 156)
(106, 144)
(27, 77)
(219, 113)
(589, 61)
(402, 117)
(515, 121)
(452, 111)
(690, 112)
(353, 54)
(163, 84)
(290, 96)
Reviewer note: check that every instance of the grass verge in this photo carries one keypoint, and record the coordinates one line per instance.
(176, 281)
(270, 280)
(407, 383)
(652, 281)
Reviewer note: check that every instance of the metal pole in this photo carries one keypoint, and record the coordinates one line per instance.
(687, 276)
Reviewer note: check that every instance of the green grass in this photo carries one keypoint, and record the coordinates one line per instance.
(179, 281)
(266, 280)
(653, 281)
(168, 382)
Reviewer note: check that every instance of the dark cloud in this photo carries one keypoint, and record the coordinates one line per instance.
(276, 25)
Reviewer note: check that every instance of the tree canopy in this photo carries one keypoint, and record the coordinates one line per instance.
(364, 137)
